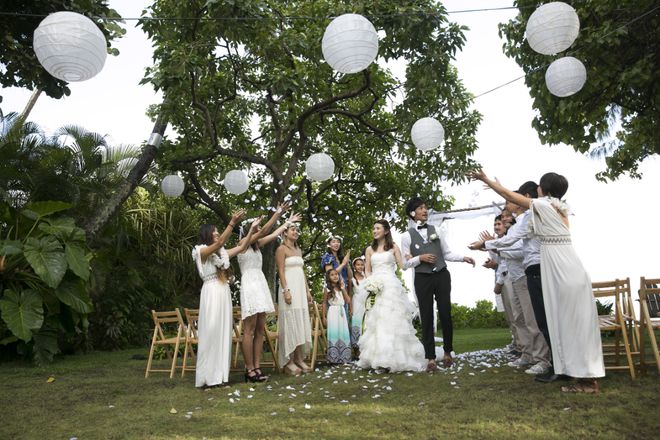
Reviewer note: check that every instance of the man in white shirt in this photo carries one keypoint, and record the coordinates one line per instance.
(426, 251)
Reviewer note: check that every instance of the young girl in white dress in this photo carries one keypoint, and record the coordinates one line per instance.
(389, 339)
(215, 309)
(256, 300)
(567, 295)
(358, 301)
(336, 319)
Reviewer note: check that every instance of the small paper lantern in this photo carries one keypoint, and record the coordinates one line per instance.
(70, 46)
(319, 167)
(236, 182)
(172, 185)
(565, 76)
(350, 43)
(552, 28)
(427, 134)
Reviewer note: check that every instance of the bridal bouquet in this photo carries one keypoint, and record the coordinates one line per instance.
(373, 285)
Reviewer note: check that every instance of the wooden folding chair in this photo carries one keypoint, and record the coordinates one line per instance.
(192, 316)
(629, 315)
(163, 322)
(649, 321)
(319, 337)
(270, 337)
(614, 322)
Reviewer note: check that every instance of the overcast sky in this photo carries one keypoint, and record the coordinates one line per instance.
(614, 226)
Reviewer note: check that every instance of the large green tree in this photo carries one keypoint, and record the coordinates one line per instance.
(20, 65)
(616, 114)
(246, 86)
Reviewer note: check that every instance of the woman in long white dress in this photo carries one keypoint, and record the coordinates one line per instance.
(256, 300)
(569, 304)
(389, 339)
(293, 326)
(214, 326)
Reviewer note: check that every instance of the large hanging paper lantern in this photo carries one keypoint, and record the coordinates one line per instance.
(172, 185)
(552, 28)
(236, 182)
(427, 134)
(350, 43)
(319, 167)
(565, 76)
(70, 46)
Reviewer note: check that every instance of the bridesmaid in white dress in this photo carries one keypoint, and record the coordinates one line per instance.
(567, 294)
(256, 299)
(294, 329)
(215, 309)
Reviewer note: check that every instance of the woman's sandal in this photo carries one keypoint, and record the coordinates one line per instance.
(252, 378)
(447, 361)
(261, 376)
(582, 387)
(291, 371)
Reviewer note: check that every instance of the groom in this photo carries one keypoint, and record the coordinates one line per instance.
(426, 251)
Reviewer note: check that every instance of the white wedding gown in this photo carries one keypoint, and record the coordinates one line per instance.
(389, 339)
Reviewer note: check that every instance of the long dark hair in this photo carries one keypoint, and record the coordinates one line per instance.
(389, 243)
(340, 251)
(328, 283)
(206, 234)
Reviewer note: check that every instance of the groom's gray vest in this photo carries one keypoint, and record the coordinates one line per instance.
(419, 247)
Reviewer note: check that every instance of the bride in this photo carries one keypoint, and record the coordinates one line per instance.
(389, 339)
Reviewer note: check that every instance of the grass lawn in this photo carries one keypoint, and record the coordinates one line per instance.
(105, 396)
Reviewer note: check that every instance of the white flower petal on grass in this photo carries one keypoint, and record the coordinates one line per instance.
(343, 401)
(308, 406)
(348, 413)
(452, 383)
(273, 414)
(292, 409)
(231, 400)
(249, 396)
(375, 396)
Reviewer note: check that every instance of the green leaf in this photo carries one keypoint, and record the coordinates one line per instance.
(22, 312)
(37, 210)
(10, 247)
(45, 343)
(46, 257)
(73, 294)
(75, 258)
(8, 340)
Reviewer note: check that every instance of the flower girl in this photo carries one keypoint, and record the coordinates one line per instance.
(334, 315)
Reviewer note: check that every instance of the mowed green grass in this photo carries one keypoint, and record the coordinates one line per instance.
(105, 396)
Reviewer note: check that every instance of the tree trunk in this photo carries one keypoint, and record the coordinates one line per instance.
(270, 268)
(106, 212)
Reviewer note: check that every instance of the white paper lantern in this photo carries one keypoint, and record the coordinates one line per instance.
(552, 28)
(319, 167)
(236, 182)
(350, 43)
(172, 185)
(565, 76)
(427, 134)
(70, 46)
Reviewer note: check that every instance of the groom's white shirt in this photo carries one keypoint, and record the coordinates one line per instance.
(415, 261)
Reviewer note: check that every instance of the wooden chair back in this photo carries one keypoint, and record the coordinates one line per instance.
(319, 336)
(615, 322)
(192, 317)
(164, 335)
(649, 321)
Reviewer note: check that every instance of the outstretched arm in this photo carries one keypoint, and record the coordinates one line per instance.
(496, 186)
(245, 243)
(263, 241)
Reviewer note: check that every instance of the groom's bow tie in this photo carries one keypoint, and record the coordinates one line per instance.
(424, 226)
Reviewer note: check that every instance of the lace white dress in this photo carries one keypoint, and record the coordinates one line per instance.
(293, 325)
(255, 294)
(389, 339)
(569, 303)
(215, 322)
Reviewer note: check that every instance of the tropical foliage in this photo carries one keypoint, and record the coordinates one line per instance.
(616, 114)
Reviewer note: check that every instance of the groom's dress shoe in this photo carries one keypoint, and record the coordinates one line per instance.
(550, 377)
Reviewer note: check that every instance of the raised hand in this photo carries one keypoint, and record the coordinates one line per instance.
(295, 217)
(347, 258)
(477, 175)
(237, 215)
(283, 207)
(485, 236)
(255, 223)
(477, 245)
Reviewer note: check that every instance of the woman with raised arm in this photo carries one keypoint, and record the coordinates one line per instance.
(294, 329)
(567, 295)
(389, 340)
(256, 300)
(215, 321)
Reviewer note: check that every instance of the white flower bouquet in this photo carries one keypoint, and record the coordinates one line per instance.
(373, 285)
